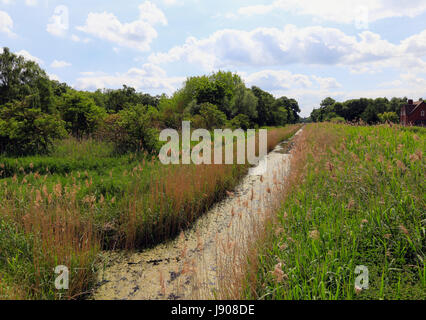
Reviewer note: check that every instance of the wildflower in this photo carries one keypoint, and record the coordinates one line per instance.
(351, 204)
(284, 246)
(404, 230)
(278, 273)
(419, 154)
(401, 165)
(279, 231)
(315, 234)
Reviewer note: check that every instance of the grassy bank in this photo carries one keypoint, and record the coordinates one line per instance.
(356, 196)
(63, 209)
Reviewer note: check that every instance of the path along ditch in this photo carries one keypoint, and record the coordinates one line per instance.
(204, 260)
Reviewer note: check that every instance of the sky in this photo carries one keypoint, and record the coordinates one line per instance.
(302, 49)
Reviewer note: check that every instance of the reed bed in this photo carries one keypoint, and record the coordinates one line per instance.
(65, 208)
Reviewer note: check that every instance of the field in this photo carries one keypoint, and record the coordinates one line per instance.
(356, 197)
(65, 208)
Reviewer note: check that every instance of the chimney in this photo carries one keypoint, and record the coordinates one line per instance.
(410, 102)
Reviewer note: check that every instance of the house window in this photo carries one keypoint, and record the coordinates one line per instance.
(403, 112)
(423, 113)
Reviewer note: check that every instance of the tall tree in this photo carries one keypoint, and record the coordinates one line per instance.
(20, 78)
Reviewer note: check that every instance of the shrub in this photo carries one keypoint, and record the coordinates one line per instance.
(337, 120)
(25, 130)
(388, 117)
(81, 114)
(213, 117)
(241, 121)
(138, 135)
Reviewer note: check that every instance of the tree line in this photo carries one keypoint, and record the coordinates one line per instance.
(371, 111)
(34, 110)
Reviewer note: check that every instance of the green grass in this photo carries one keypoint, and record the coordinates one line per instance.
(357, 197)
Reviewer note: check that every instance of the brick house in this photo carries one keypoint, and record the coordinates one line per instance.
(414, 113)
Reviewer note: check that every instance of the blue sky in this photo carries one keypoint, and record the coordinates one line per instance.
(306, 49)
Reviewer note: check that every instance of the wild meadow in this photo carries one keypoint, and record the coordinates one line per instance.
(355, 197)
(66, 207)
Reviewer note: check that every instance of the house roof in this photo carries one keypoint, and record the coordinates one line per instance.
(414, 106)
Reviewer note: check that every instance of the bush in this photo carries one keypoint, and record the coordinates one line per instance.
(213, 117)
(338, 120)
(241, 121)
(137, 132)
(388, 117)
(25, 130)
(81, 114)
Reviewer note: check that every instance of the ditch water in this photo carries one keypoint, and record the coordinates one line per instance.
(195, 264)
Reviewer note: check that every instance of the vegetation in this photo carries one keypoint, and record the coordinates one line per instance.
(79, 171)
(356, 196)
(371, 111)
(34, 111)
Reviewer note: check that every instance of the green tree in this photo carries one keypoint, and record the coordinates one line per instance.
(244, 102)
(20, 78)
(135, 121)
(264, 106)
(241, 121)
(388, 117)
(25, 130)
(81, 114)
(213, 117)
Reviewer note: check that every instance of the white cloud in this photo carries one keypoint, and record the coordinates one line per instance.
(137, 34)
(54, 77)
(76, 38)
(59, 22)
(60, 64)
(341, 11)
(148, 78)
(265, 47)
(31, 3)
(6, 24)
(308, 90)
(30, 57)
(150, 13)
(271, 80)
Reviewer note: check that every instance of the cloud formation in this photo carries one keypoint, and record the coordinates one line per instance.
(341, 11)
(60, 64)
(266, 47)
(137, 34)
(148, 78)
(6, 24)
